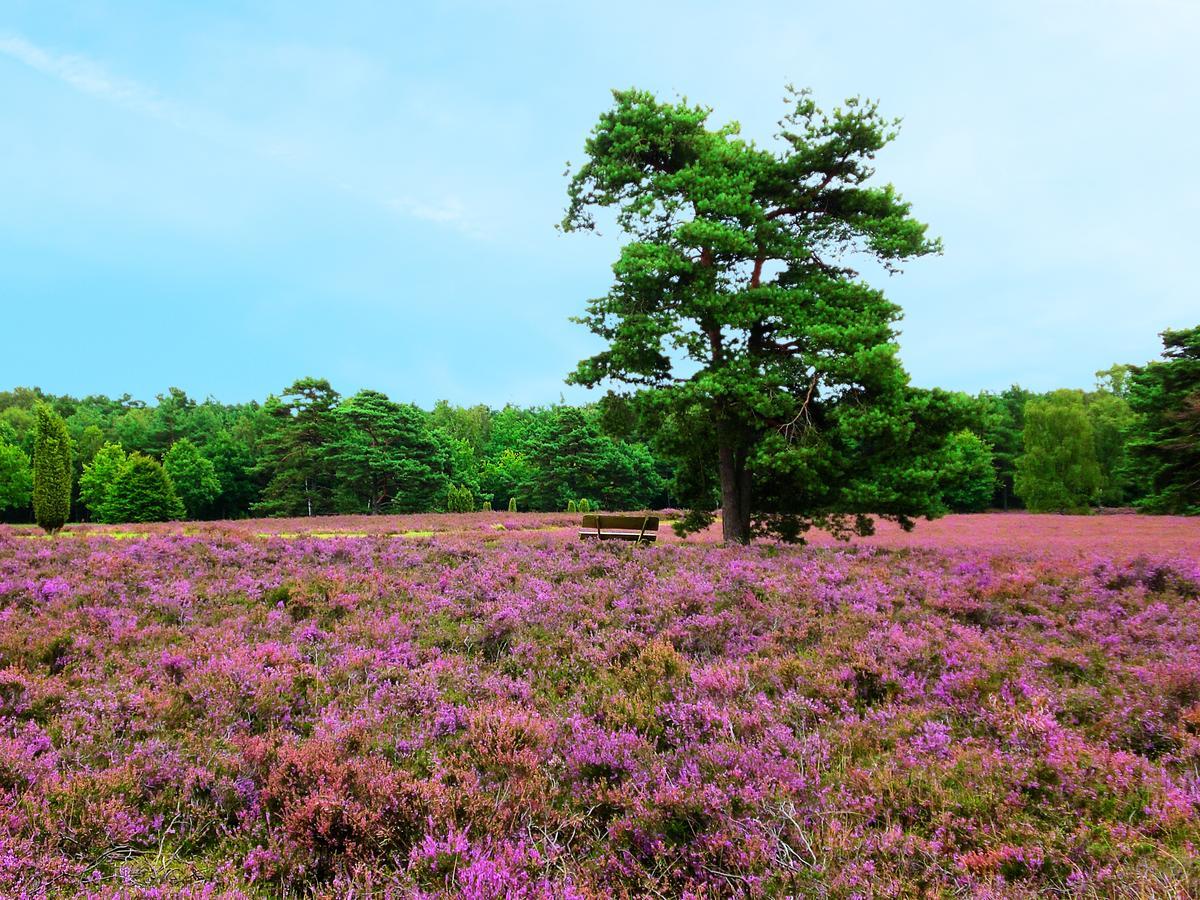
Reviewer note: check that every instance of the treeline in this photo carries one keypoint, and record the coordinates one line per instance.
(310, 451)
(1134, 440)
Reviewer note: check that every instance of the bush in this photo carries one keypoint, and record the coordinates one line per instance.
(584, 506)
(51, 470)
(487, 506)
(572, 507)
(512, 504)
(143, 492)
(459, 499)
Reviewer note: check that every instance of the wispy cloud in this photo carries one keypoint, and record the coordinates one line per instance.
(89, 77)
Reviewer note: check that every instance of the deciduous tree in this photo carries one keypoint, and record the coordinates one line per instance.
(1058, 471)
(194, 477)
(99, 475)
(143, 492)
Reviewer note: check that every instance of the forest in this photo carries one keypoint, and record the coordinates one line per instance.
(1131, 441)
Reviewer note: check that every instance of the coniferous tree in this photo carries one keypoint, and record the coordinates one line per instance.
(1165, 439)
(736, 297)
(387, 456)
(143, 492)
(297, 457)
(51, 470)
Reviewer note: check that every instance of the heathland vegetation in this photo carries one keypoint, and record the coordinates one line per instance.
(388, 702)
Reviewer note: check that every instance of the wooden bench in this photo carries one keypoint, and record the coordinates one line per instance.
(619, 528)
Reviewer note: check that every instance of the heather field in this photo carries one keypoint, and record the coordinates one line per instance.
(480, 706)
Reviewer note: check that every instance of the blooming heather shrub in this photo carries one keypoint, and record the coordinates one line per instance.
(481, 713)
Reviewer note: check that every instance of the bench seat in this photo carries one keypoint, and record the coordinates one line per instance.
(619, 528)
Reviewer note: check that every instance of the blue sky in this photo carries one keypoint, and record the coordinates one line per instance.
(225, 196)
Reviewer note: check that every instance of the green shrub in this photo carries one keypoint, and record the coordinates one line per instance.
(487, 506)
(51, 470)
(583, 506)
(143, 492)
(571, 507)
(459, 499)
(512, 504)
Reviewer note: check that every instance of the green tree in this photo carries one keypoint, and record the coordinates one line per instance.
(232, 457)
(506, 475)
(51, 470)
(968, 474)
(169, 420)
(143, 492)
(1164, 444)
(297, 456)
(1000, 422)
(735, 298)
(473, 424)
(1111, 418)
(1058, 471)
(16, 477)
(194, 477)
(99, 475)
(571, 457)
(388, 457)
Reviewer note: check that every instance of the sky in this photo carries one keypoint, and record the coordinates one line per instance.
(225, 196)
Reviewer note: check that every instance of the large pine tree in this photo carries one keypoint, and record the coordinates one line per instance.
(736, 298)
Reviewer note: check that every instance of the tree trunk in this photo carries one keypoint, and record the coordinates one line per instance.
(735, 492)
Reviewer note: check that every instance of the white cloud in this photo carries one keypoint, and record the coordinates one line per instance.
(91, 78)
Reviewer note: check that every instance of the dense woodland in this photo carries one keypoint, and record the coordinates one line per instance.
(1131, 441)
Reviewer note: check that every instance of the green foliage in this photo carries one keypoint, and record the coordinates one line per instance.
(387, 457)
(507, 474)
(512, 504)
(1058, 471)
(51, 470)
(194, 477)
(1111, 418)
(1165, 438)
(571, 457)
(1000, 421)
(16, 477)
(98, 478)
(142, 492)
(735, 300)
(572, 507)
(583, 506)
(459, 499)
(297, 454)
(968, 474)
(486, 506)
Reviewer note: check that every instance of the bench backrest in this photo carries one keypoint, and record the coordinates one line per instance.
(621, 523)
